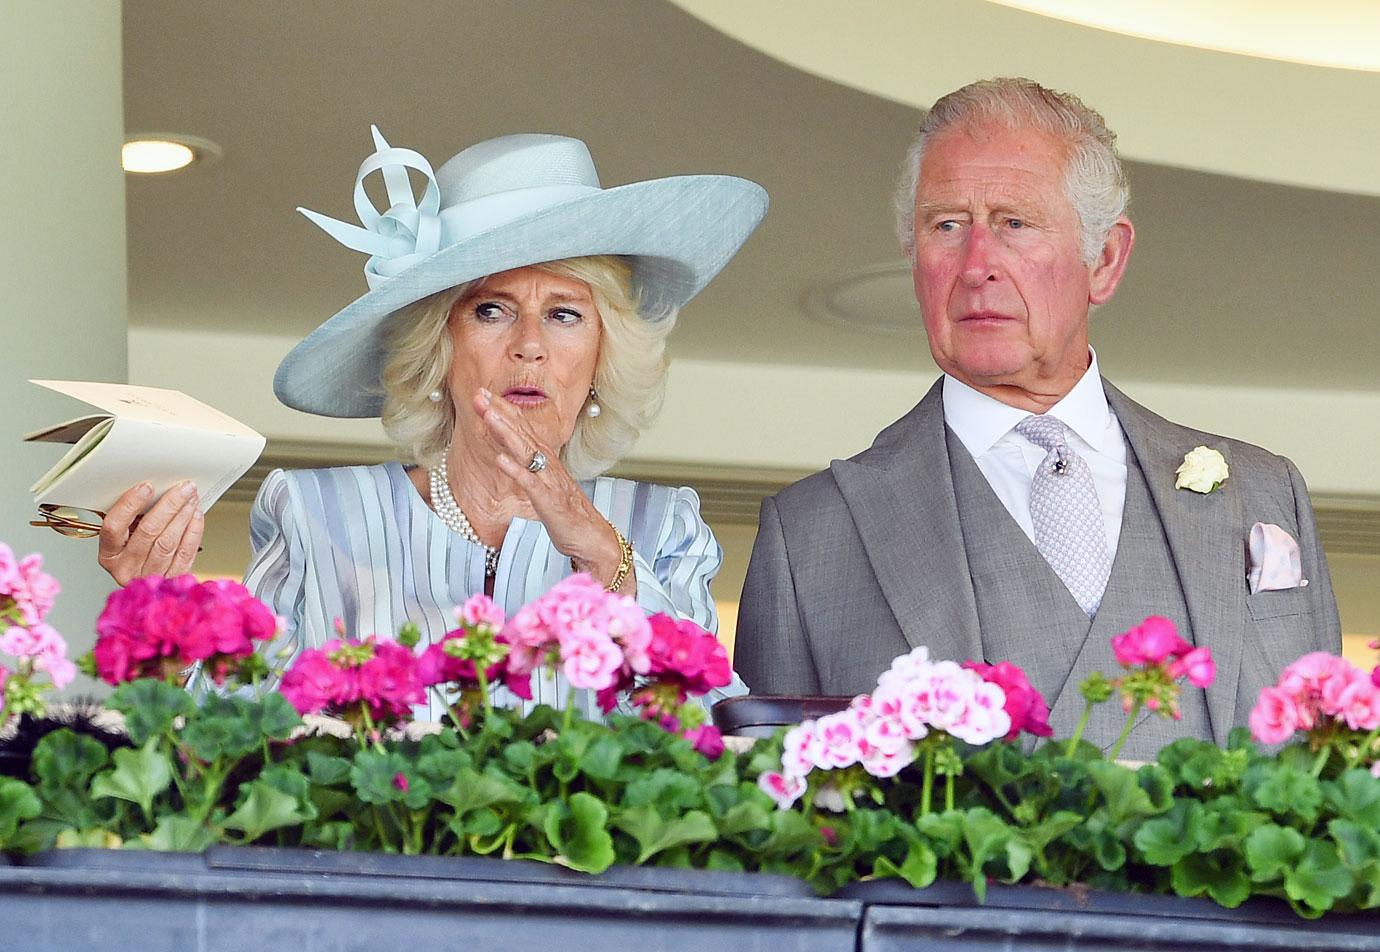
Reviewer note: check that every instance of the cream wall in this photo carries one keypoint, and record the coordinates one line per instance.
(62, 255)
(794, 417)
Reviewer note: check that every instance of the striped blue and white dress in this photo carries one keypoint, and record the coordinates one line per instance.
(358, 543)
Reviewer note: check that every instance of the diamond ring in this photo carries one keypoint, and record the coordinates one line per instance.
(537, 463)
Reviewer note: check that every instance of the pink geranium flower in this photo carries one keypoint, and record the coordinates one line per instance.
(154, 627)
(1024, 705)
(1153, 641)
(346, 677)
(783, 788)
(1275, 716)
(1198, 665)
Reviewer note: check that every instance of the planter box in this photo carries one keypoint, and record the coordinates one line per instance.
(948, 916)
(229, 899)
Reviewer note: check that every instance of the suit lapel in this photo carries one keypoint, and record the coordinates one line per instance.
(901, 497)
(1204, 538)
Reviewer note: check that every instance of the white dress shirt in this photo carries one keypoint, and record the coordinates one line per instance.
(986, 427)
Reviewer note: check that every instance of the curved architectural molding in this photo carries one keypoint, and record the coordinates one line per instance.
(1239, 115)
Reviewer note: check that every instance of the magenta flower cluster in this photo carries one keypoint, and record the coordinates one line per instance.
(1156, 641)
(1317, 693)
(348, 677)
(27, 594)
(915, 697)
(599, 641)
(155, 627)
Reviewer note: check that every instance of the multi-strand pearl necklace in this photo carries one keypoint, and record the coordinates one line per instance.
(443, 501)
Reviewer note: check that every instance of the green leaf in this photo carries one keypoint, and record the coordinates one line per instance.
(1217, 875)
(987, 836)
(724, 862)
(1051, 828)
(1164, 840)
(603, 758)
(1273, 850)
(1359, 844)
(178, 834)
(66, 760)
(18, 802)
(1356, 796)
(472, 791)
(149, 707)
(140, 774)
(1121, 789)
(670, 791)
(790, 834)
(918, 869)
(327, 769)
(1284, 790)
(1319, 879)
(579, 833)
(743, 817)
(272, 716)
(374, 776)
(100, 839)
(654, 833)
(266, 808)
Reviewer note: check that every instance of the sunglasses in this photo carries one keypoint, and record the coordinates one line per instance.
(71, 521)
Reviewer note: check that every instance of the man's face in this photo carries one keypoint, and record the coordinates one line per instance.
(998, 270)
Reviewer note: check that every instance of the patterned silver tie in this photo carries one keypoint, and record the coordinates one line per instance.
(1069, 531)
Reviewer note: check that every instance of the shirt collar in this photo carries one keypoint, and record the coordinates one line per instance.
(979, 421)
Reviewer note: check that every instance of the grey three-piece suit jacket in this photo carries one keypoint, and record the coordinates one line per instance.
(906, 544)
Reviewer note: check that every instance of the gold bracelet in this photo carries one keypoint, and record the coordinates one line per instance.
(625, 564)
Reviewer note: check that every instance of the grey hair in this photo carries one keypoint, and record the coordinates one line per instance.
(630, 374)
(1094, 179)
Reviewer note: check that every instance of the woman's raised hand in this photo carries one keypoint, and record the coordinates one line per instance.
(576, 528)
(163, 541)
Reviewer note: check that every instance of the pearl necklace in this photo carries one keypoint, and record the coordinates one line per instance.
(443, 502)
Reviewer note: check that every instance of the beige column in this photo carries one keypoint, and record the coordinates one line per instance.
(62, 258)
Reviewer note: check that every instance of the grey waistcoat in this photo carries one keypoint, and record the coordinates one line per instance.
(1028, 617)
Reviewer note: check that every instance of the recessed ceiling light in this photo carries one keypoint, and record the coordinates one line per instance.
(879, 299)
(151, 153)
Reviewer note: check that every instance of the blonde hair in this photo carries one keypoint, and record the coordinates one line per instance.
(629, 376)
(1093, 178)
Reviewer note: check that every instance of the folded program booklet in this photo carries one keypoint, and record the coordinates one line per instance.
(144, 434)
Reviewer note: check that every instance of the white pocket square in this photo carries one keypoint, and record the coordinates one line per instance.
(1275, 563)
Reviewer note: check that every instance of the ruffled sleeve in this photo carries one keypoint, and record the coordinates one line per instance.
(277, 570)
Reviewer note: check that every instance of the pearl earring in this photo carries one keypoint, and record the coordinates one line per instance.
(593, 410)
(434, 396)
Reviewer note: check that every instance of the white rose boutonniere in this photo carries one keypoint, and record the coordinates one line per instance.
(1202, 470)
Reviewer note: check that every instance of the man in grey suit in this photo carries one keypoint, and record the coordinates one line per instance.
(1025, 509)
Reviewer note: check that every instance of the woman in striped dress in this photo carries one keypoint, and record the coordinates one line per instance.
(512, 341)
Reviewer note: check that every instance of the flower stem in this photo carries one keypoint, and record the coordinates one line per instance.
(1071, 744)
(949, 792)
(568, 718)
(1125, 730)
(484, 690)
(1320, 761)
(370, 728)
(927, 788)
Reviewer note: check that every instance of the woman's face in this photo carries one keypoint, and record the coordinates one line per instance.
(532, 339)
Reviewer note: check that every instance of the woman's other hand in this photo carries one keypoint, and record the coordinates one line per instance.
(576, 528)
(163, 541)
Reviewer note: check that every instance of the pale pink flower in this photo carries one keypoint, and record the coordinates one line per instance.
(802, 749)
(784, 789)
(888, 763)
(590, 659)
(480, 610)
(841, 736)
(628, 626)
(1360, 704)
(1275, 717)
(885, 735)
(1375, 770)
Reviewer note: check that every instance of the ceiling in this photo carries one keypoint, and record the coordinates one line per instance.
(1282, 277)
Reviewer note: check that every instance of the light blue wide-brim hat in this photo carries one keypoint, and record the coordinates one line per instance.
(501, 204)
